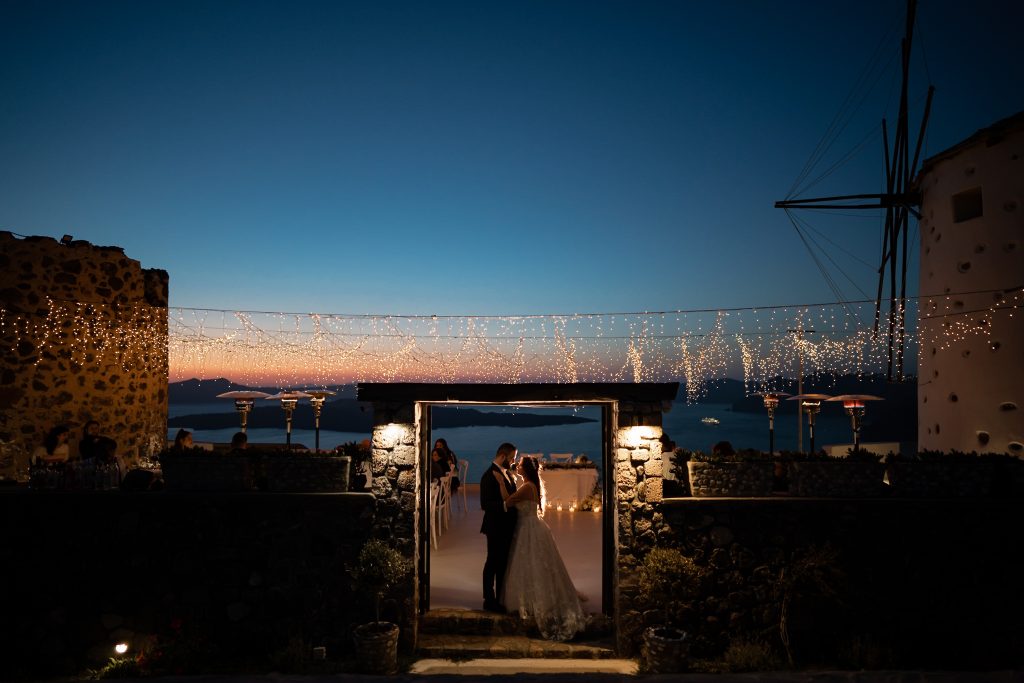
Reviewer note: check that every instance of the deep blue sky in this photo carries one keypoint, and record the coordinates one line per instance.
(469, 157)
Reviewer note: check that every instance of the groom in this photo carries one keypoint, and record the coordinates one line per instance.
(498, 525)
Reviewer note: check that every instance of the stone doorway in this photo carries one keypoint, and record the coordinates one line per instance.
(631, 462)
(453, 559)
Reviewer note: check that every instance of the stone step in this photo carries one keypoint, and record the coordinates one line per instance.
(468, 622)
(460, 647)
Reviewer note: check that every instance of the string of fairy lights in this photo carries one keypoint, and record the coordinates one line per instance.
(695, 347)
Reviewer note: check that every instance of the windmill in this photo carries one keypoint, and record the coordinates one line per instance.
(900, 201)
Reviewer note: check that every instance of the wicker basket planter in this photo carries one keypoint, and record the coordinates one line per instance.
(300, 472)
(835, 479)
(207, 473)
(377, 647)
(743, 479)
(664, 650)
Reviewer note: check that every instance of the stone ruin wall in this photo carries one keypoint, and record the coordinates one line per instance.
(83, 334)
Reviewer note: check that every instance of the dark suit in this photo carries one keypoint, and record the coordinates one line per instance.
(498, 526)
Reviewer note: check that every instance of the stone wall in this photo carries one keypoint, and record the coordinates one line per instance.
(639, 484)
(83, 331)
(211, 581)
(396, 485)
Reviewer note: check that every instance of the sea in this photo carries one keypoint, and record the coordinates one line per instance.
(477, 444)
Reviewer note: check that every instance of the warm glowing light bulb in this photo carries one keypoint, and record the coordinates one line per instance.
(121, 648)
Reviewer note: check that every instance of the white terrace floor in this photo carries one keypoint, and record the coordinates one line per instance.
(456, 566)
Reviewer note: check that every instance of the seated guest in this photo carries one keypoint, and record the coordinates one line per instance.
(438, 467)
(182, 440)
(55, 446)
(106, 451)
(449, 461)
(239, 442)
(88, 446)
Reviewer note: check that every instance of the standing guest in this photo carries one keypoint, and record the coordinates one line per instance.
(55, 446)
(239, 442)
(182, 440)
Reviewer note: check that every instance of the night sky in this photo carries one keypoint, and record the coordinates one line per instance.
(473, 157)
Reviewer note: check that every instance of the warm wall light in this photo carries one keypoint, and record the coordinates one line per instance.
(634, 436)
(121, 648)
(393, 431)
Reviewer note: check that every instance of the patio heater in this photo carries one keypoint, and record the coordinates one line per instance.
(316, 399)
(289, 399)
(854, 405)
(810, 404)
(771, 402)
(243, 402)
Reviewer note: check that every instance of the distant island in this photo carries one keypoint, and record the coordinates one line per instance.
(339, 414)
(895, 417)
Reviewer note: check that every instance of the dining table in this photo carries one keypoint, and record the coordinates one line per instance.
(567, 484)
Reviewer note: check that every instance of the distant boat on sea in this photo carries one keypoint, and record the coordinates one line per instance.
(710, 420)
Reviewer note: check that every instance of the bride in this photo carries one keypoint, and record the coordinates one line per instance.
(537, 585)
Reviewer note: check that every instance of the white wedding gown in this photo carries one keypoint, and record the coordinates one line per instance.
(537, 584)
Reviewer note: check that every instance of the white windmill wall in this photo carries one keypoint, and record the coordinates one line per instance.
(971, 366)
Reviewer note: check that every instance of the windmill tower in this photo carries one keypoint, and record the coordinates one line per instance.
(900, 201)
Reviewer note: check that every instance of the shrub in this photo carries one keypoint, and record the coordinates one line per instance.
(378, 570)
(668, 581)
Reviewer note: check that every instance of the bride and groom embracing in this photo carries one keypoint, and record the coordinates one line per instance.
(523, 572)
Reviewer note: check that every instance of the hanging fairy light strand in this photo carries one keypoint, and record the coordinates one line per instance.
(698, 347)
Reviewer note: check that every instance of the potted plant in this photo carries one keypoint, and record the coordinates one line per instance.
(726, 472)
(378, 570)
(668, 583)
(856, 475)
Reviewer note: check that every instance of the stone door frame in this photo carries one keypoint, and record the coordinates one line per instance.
(631, 456)
(423, 446)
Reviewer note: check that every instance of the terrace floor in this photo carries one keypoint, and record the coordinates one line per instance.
(456, 566)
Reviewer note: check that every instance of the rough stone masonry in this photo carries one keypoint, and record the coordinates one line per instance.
(83, 333)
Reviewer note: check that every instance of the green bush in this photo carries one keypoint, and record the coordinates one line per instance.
(668, 581)
(378, 570)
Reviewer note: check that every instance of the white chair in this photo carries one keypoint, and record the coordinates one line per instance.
(444, 502)
(538, 456)
(560, 457)
(463, 478)
(435, 492)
